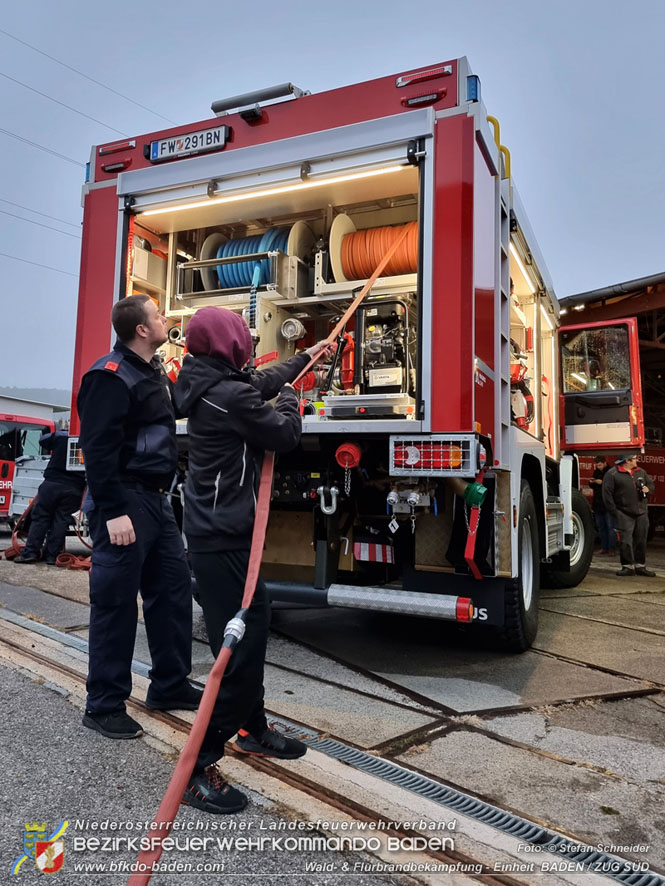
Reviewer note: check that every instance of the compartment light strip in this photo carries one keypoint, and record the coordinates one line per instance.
(282, 189)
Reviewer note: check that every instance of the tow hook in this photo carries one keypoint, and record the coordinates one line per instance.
(330, 509)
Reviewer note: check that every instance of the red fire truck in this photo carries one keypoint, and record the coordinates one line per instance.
(19, 436)
(436, 474)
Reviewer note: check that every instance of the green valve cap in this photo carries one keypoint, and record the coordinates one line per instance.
(474, 494)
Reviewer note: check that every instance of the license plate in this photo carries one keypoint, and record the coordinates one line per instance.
(189, 143)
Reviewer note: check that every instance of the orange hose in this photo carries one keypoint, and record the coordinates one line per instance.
(362, 251)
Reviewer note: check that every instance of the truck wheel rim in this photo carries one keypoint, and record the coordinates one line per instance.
(527, 565)
(577, 546)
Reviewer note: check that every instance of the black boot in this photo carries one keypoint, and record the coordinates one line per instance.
(186, 698)
(208, 791)
(626, 570)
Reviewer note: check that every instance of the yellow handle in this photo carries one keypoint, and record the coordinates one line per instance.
(495, 126)
(497, 138)
(506, 156)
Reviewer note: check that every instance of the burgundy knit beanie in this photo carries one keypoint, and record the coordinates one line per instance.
(218, 332)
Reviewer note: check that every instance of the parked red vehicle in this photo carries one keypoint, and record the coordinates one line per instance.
(19, 435)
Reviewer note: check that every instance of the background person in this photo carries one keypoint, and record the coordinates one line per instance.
(231, 424)
(604, 519)
(625, 491)
(58, 496)
(129, 445)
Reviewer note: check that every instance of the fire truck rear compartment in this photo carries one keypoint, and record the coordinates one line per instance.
(294, 283)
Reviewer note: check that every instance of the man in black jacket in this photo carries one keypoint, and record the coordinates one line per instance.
(58, 496)
(129, 446)
(604, 519)
(230, 426)
(625, 491)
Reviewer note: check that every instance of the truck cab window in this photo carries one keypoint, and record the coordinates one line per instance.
(595, 360)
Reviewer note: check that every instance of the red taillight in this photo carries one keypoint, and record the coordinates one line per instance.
(426, 454)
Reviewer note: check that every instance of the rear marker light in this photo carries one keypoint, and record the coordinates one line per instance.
(116, 167)
(464, 609)
(427, 99)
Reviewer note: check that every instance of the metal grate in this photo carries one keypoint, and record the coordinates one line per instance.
(433, 456)
(612, 866)
(74, 455)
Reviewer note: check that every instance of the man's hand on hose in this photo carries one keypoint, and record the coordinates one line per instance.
(121, 530)
(321, 350)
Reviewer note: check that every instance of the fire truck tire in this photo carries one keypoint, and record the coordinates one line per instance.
(521, 595)
(584, 536)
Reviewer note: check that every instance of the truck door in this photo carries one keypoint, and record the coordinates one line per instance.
(601, 389)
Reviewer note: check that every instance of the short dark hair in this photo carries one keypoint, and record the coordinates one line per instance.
(127, 314)
(597, 460)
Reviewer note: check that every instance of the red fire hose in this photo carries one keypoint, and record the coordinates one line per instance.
(234, 630)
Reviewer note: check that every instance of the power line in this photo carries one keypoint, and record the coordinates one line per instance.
(87, 77)
(41, 225)
(37, 264)
(41, 147)
(58, 102)
(37, 212)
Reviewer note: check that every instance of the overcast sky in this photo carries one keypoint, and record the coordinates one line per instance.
(577, 87)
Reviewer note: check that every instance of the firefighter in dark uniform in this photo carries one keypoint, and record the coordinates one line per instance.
(129, 446)
(58, 497)
(625, 491)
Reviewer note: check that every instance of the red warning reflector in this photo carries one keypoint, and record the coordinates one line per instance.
(117, 146)
(464, 609)
(421, 76)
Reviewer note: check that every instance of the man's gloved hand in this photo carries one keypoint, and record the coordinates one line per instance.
(121, 530)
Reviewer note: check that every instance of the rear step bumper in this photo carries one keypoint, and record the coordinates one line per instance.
(447, 607)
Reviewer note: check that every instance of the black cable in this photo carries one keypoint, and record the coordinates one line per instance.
(37, 264)
(58, 102)
(41, 147)
(87, 76)
(37, 212)
(41, 225)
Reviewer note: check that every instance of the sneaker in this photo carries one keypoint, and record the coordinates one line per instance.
(625, 571)
(642, 570)
(116, 725)
(26, 558)
(187, 698)
(209, 791)
(271, 744)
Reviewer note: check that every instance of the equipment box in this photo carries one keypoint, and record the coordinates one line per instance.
(28, 475)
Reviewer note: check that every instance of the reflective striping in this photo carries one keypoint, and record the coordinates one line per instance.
(373, 553)
(244, 464)
(214, 405)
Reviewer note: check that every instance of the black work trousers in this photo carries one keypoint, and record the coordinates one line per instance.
(50, 518)
(633, 533)
(156, 566)
(220, 578)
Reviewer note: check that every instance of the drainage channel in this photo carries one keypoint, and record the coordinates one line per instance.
(619, 869)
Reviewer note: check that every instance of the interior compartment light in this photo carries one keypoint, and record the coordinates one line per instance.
(308, 183)
(579, 377)
(523, 270)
